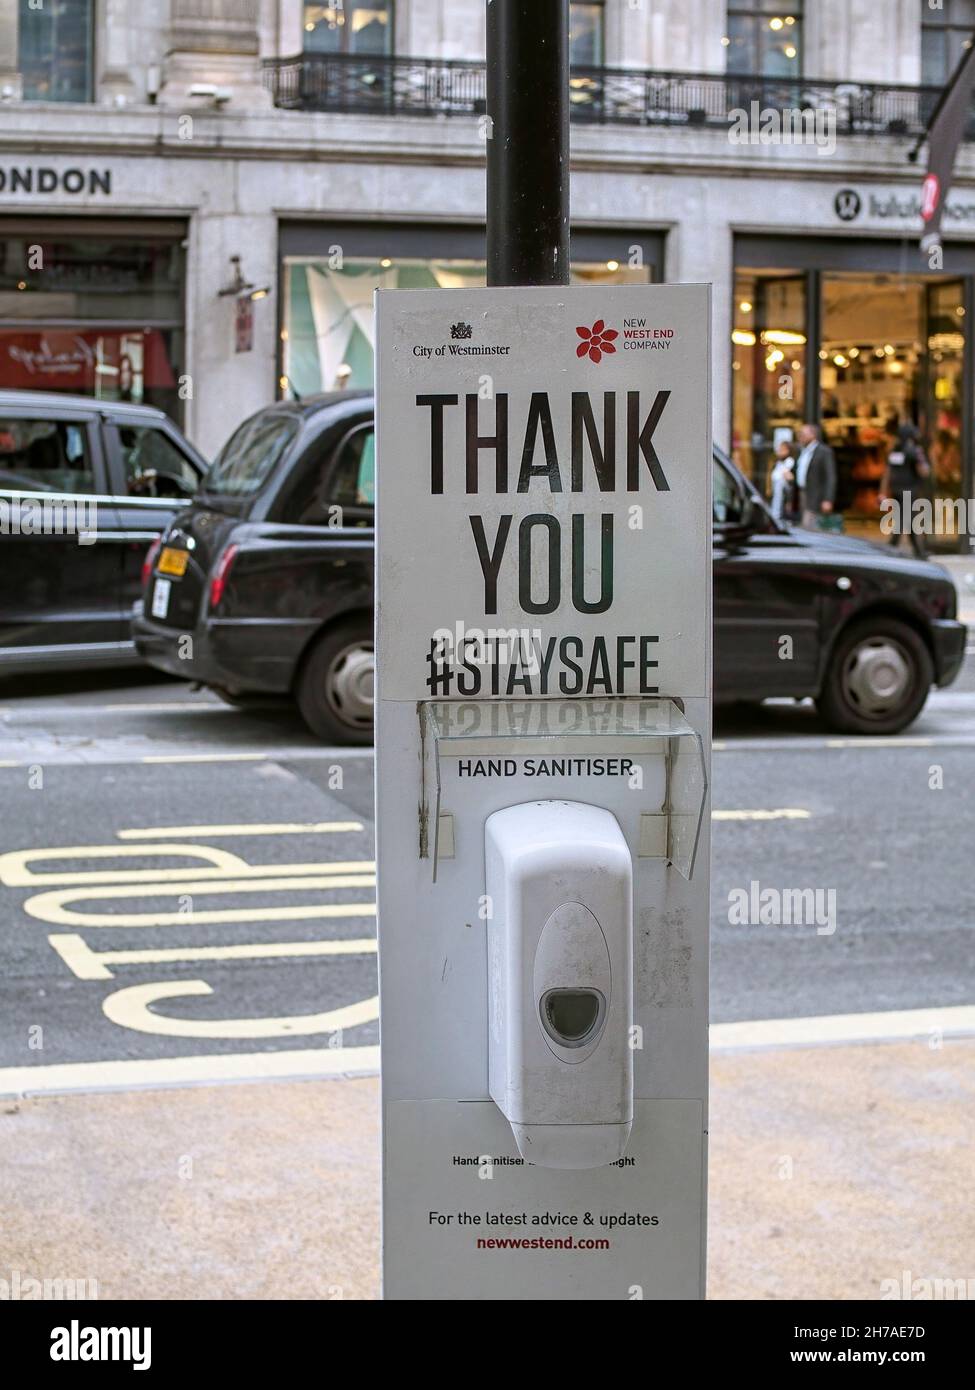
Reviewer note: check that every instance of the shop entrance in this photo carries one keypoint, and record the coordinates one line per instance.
(855, 336)
(891, 350)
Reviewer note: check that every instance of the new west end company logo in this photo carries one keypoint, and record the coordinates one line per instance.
(638, 336)
(596, 341)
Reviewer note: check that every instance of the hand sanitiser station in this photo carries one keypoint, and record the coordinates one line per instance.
(543, 574)
(543, 735)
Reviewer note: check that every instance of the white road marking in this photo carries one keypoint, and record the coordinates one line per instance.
(130, 1008)
(783, 813)
(891, 1026)
(45, 712)
(870, 741)
(807, 744)
(208, 832)
(87, 964)
(206, 757)
(307, 1064)
(107, 753)
(161, 707)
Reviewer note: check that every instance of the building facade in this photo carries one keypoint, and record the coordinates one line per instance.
(198, 197)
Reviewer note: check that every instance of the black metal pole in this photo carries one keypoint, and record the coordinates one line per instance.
(528, 142)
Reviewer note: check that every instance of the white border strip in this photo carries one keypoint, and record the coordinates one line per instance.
(210, 1069)
(897, 1025)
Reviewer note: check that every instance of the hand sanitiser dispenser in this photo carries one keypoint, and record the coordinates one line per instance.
(543, 724)
(560, 979)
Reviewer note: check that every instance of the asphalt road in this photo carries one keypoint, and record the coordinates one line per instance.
(180, 878)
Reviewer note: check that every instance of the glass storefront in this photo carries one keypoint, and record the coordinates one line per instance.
(93, 309)
(855, 351)
(327, 335)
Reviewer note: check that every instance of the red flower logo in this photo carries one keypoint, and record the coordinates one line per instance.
(596, 341)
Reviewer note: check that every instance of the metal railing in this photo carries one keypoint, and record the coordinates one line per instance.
(615, 96)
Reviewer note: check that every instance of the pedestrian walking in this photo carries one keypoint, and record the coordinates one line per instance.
(782, 481)
(905, 477)
(815, 478)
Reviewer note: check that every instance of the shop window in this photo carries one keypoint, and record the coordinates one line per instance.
(45, 456)
(891, 353)
(769, 367)
(946, 35)
(55, 42)
(363, 27)
(890, 350)
(328, 333)
(764, 38)
(104, 319)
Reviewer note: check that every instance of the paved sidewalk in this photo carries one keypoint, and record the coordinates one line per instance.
(832, 1170)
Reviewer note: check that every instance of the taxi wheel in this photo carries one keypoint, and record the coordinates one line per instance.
(335, 686)
(878, 678)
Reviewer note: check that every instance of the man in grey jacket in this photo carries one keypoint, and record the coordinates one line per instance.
(815, 477)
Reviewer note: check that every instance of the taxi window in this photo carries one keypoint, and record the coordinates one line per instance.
(340, 489)
(45, 456)
(154, 466)
(250, 454)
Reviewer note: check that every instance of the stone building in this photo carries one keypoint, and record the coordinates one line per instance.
(294, 155)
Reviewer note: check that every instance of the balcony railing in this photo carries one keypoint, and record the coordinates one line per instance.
(616, 96)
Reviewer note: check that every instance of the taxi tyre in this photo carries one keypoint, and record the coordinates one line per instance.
(878, 677)
(326, 688)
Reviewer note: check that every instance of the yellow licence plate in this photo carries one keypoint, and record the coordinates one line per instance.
(173, 561)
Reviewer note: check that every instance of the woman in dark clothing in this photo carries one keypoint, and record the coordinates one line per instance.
(907, 473)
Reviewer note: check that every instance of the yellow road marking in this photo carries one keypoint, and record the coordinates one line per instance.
(87, 964)
(207, 831)
(130, 1008)
(14, 871)
(53, 907)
